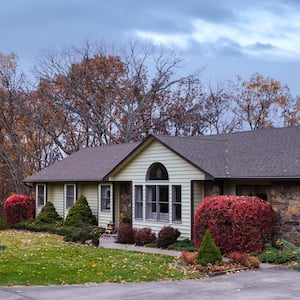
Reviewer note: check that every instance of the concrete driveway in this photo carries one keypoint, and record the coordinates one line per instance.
(266, 283)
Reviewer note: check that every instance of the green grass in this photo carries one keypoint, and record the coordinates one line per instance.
(44, 259)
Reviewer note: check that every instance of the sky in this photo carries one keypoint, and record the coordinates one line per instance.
(224, 38)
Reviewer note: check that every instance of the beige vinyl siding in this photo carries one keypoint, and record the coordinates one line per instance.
(90, 192)
(198, 194)
(180, 173)
(56, 196)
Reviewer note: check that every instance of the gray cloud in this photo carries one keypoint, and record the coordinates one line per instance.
(28, 26)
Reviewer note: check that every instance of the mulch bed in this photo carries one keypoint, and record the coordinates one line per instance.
(213, 270)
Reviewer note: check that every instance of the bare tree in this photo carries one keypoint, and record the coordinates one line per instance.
(263, 102)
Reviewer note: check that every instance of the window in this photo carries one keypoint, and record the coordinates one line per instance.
(41, 194)
(70, 195)
(138, 201)
(253, 190)
(105, 197)
(157, 171)
(157, 202)
(176, 201)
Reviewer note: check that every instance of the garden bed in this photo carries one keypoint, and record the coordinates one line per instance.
(212, 270)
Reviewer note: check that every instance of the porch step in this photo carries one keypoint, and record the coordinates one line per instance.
(112, 236)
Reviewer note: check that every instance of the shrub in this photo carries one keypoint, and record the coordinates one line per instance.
(33, 226)
(276, 256)
(3, 224)
(3, 247)
(82, 235)
(237, 223)
(184, 245)
(18, 208)
(189, 258)
(144, 236)
(80, 213)
(126, 234)
(167, 236)
(48, 215)
(239, 257)
(296, 267)
(208, 252)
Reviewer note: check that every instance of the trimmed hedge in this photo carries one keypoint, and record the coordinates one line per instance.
(18, 208)
(237, 223)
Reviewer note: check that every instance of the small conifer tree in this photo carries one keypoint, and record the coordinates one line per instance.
(80, 213)
(48, 215)
(208, 252)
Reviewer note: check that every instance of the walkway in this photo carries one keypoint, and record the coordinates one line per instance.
(109, 242)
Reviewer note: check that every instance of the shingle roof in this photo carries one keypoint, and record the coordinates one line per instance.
(263, 153)
(88, 164)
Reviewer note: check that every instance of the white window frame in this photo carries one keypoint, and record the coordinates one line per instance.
(138, 196)
(176, 202)
(38, 194)
(66, 196)
(108, 206)
(156, 202)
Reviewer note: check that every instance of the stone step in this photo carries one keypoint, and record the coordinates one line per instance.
(112, 236)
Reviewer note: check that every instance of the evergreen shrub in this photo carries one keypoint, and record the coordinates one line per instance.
(82, 235)
(276, 256)
(18, 208)
(80, 213)
(237, 223)
(208, 252)
(48, 215)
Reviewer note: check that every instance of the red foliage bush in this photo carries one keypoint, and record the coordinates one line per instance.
(126, 234)
(167, 236)
(189, 258)
(239, 257)
(237, 223)
(18, 208)
(144, 236)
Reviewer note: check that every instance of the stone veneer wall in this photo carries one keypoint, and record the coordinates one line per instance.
(285, 199)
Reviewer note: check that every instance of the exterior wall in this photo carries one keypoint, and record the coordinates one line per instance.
(285, 199)
(180, 173)
(198, 194)
(90, 191)
(56, 196)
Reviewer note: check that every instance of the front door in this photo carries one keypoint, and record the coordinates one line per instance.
(125, 203)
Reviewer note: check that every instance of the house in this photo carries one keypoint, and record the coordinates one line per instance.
(162, 180)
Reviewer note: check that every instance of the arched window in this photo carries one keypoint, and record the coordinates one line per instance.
(157, 171)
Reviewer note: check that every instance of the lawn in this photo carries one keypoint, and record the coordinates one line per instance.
(45, 259)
